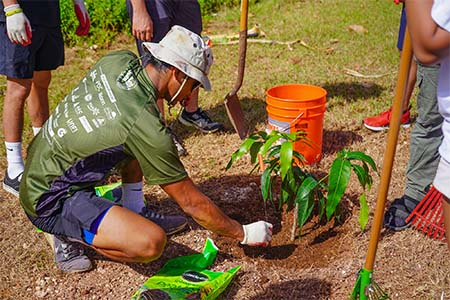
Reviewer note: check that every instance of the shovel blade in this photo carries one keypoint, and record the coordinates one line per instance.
(236, 115)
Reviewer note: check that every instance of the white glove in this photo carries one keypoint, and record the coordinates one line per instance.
(82, 16)
(257, 234)
(17, 25)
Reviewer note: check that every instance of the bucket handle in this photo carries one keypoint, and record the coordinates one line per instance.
(290, 123)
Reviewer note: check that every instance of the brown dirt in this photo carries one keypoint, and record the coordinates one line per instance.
(321, 265)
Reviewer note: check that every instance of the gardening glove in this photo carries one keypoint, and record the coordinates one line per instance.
(17, 25)
(257, 234)
(399, 1)
(83, 18)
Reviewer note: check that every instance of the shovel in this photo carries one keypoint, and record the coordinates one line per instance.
(366, 288)
(232, 104)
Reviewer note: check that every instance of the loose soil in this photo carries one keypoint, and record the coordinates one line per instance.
(322, 264)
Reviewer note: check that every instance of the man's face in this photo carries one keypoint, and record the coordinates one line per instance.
(180, 87)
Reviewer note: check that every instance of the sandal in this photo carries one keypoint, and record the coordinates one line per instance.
(400, 209)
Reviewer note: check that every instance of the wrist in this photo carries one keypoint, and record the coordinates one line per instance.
(12, 10)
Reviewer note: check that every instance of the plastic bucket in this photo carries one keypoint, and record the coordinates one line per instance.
(298, 107)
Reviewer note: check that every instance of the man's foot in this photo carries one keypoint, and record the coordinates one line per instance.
(170, 224)
(400, 209)
(180, 148)
(381, 122)
(69, 256)
(11, 185)
(200, 120)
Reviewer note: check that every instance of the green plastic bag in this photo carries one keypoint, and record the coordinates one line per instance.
(186, 277)
(106, 191)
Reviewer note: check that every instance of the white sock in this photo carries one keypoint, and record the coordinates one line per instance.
(36, 130)
(133, 196)
(14, 158)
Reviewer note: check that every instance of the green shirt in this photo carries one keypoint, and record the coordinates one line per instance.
(110, 117)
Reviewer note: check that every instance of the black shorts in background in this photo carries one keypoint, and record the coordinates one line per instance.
(46, 52)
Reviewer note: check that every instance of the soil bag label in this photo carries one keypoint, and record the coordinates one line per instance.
(186, 277)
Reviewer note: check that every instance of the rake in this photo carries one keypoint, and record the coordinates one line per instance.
(366, 288)
(428, 217)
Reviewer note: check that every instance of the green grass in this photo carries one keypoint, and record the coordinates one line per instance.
(323, 25)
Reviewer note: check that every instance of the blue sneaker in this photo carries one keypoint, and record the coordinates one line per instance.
(200, 120)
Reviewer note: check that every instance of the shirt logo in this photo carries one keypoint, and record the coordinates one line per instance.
(126, 80)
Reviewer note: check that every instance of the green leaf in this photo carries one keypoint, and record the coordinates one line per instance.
(352, 155)
(285, 158)
(254, 149)
(303, 195)
(338, 181)
(364, 211)
(266, 187)
(270, 142)
(362, 175)
(243, 149)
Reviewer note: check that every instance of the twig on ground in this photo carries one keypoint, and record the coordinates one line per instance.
(271, 42)
(357, 74)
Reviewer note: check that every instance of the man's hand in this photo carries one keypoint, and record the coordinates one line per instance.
(17, 25)
(257, 234)
(83, 18)
(142, 26)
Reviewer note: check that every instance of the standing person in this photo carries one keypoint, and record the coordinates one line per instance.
(111, 121)
(32, 46)
(150, 21)
(429, 25)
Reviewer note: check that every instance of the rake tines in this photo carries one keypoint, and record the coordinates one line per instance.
(428, 216)
(375, 292)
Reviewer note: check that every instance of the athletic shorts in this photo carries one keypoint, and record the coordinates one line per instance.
(166, 14)
(79, 218)
(46, 52)
(442, 179)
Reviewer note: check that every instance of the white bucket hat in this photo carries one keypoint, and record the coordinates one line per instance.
(186, 51)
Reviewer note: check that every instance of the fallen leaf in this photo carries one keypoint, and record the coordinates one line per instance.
(357, 28)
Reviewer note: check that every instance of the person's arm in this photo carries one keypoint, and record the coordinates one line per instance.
(142, 24)
(17, 25)
(208, 215)
(430, 42)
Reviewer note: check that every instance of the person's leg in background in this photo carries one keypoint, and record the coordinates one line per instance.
(37, 103)
(426, 136)
(17, 91)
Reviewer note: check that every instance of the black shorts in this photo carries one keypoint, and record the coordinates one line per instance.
(79, 217)
(46, 52)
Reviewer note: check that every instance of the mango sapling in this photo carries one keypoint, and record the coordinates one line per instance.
(300, 189)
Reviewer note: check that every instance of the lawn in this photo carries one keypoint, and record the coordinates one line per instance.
(324, 262)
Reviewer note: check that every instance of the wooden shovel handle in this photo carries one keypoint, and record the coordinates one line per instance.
(394, 128)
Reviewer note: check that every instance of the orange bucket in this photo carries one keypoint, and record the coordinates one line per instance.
(298, 107)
